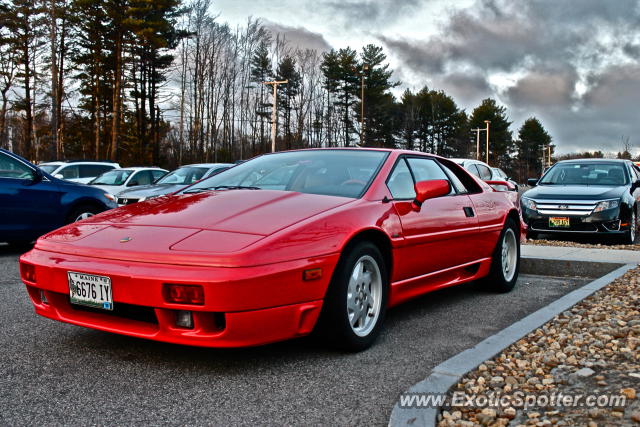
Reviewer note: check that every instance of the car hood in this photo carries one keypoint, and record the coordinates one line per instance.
(152, 190)
(575, 192)
(194, 229)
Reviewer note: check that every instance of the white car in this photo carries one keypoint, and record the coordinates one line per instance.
(79, 171)
(117, 180)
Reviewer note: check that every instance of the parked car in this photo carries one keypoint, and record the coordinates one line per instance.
(117, 180)
(278, 246)
(171, 182)
(33, 202)
(77, 171)
(487, 173)
(585, 196)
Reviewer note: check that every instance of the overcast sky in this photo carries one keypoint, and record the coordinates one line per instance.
(573, 64)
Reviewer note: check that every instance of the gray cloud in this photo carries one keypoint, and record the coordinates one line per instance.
(368, 13)
(550, 46)
(544, 88)
(298, 36)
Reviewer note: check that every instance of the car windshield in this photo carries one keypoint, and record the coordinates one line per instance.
(183, 176)
(114, 177)
(612, 174)
(49, 168)
(345, 173)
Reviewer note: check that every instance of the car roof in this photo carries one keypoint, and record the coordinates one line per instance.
(79, 162)
(207, 165)
(140, 168)
(590, 160)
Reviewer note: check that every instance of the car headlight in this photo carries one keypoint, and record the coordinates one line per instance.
(110, 197)
(607, 204)
(529, 204)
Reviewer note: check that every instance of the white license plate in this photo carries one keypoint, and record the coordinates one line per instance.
(90, 290)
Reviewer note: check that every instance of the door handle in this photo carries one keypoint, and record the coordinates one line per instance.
(469, 212)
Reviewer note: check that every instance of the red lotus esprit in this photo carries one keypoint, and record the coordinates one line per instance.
(277, 247)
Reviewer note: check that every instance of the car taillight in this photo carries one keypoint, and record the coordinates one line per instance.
(28, 272)
(183, 294)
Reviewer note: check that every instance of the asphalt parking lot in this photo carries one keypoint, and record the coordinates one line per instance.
(54, 373)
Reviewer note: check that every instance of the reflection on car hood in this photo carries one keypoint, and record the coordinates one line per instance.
(575, 192)
(151, 190)
(202, 228)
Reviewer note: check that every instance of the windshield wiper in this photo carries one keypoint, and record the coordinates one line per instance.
(221, 187)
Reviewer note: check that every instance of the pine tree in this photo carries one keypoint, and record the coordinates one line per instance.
(262, 71)
(379, 103)
(287, 71)
(533, 139)
(501, 146)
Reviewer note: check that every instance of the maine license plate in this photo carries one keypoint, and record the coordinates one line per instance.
(90, 290)
(561, 222)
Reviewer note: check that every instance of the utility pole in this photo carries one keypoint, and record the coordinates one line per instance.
(365, 68)
(487, 122)
(274, 112)
(477, 131)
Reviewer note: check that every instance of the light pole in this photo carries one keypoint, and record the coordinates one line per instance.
(477, 131)
(274, 113)
(487, 122)
(365, 68)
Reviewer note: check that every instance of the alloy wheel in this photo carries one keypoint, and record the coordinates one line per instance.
(364, 296)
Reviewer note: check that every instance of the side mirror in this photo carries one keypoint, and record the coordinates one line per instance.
(426, 190)
(532, 182)
(59, 176)
(498, 185)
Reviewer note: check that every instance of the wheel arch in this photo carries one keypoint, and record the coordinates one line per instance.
(84, 201)
(378, 238)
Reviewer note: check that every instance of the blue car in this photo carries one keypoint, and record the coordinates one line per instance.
(33, 202)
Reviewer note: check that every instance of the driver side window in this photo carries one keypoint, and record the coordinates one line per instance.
(11, 168)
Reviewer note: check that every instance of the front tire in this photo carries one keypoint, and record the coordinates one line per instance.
(629, 238)
(505, 265)
(356, 301)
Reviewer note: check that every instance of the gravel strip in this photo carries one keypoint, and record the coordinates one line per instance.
(592, 349)
(576, 244)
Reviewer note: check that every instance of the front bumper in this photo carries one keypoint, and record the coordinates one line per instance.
(605, 222)
(243, 306)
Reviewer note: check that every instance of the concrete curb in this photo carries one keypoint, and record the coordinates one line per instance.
(449, 372)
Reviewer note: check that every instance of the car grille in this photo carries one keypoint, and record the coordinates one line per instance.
(126, 201)
(565, 207)
(126, 311)
(575, 225)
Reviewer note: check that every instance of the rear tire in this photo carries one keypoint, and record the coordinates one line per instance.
(82, 212)
(505, 265)
(355, 305)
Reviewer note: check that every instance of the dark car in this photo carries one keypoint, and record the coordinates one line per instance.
(33, 202)
(171, 182)
(584, 196)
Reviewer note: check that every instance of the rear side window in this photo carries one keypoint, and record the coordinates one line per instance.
(70, 172)
(157, 174)
(473, 169)
(485, 172)
(91, 171)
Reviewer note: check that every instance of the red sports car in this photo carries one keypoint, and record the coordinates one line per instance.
(285, 244)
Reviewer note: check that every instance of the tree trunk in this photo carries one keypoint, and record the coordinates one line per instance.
(117, 98)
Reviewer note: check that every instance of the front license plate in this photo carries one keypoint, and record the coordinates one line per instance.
(90, 290)
(561, 222)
